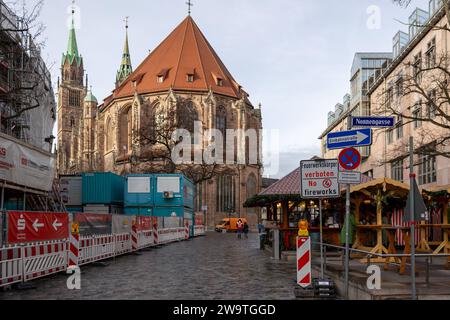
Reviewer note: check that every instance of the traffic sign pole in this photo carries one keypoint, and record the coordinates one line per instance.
(321, 241)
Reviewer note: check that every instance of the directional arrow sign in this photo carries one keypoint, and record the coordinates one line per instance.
(57, 224)
(37, 225)
(345, 139)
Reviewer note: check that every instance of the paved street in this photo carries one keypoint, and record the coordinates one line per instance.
(218, 266)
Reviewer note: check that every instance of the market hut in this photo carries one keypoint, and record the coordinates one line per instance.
(285, 207)
(380, 193)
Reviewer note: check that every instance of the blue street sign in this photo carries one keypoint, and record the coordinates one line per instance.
(346, 139)
(373, 122)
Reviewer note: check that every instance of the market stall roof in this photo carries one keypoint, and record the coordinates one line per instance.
(288, 185)
(400, 188)
(436, 189)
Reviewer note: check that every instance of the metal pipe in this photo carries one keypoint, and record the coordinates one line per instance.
(412, 178)
(321, 241)
(347, 240)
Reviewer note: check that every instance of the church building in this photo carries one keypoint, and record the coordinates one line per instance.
(183, 75)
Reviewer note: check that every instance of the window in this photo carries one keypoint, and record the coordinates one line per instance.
(399, 86)
(427, 169)
(74, 98)
(72, 122)
(390, 136)
(397, 170)
(226, 194)
(399, 128)
(125, 131)
(160, 79)
(219, 82)
(417, 67)
(431, 109)
(431, 54)
(109, 136)
(389, 96)
(190, 78)
(417, 115)
(251, 190)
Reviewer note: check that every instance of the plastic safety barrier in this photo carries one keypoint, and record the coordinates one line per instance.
(43, 259)
(199, 231)
(10, 265)
(145, 239)
(96, 248)
(21, 263)
(123, 243)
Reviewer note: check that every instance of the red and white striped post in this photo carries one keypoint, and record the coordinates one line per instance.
(186, 230)
(304, 278)
(74, 246)
(155, 234)
(134, 237)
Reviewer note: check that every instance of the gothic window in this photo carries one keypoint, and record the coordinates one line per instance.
(74, 98)
(251, 189)
(226, 194)
(221, 120)
(109, 135)
(126, 127)
(72, 122)
(187, 116)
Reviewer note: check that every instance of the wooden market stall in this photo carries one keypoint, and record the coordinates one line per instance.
(377, 192)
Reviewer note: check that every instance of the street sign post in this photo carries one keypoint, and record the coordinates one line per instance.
(373, 122)
(319, 179)
(350, 159)
(346, 139)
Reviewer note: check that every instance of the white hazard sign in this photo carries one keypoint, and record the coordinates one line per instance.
(319, 178)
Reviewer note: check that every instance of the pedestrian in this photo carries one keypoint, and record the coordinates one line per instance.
(246, 230)
(240, 228)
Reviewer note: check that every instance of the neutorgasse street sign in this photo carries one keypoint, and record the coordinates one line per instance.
(373, 122)
(346, 139)
(319, 179)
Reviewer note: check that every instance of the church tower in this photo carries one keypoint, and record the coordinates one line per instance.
(125, 68)
(71, 93)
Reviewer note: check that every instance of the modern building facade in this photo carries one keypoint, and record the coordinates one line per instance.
(366, 68)
(183, 77)
(410, 84)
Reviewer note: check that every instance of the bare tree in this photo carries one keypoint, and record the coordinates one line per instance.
(423, 83)
(157, 142)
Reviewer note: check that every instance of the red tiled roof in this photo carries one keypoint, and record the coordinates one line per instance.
(290, 185)
(184, 52)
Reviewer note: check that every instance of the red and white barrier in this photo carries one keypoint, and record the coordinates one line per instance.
(10, 265)
(43, 259)
(304, 278)
(199, 231)
(74, 250)
(134, 238)
(123, 244)
(186, 230)
(145, 239)
(96, 248)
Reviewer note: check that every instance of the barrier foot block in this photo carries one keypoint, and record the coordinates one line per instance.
(136, 253)
(25, 286)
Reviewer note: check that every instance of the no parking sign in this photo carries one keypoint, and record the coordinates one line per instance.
(350, 159)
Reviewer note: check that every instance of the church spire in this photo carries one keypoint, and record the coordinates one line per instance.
(72, 46)
(125, 68)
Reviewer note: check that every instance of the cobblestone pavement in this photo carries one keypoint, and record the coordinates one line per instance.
(218, 266)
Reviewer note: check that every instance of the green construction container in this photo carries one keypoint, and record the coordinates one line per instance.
(103, 188)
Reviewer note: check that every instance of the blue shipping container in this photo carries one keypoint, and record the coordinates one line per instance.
(173, 190)
(139, 211)
(138, 190)
(102, 188)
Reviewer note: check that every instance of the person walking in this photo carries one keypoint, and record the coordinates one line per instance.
(240, 228)
(246, 230)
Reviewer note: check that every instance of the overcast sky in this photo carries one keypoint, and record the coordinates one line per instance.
(293, 56)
